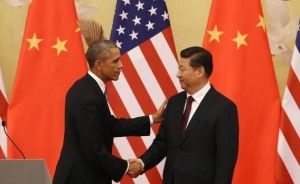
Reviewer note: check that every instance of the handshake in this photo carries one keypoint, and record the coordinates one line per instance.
(136, 167)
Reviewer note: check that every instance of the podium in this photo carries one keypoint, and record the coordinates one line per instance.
(25, 171)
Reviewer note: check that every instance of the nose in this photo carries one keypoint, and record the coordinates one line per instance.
(178, 74)
(120, 65)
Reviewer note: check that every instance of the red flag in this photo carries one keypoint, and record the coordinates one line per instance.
(3, 110)
(51, 59)
(3, 114)
(288, 168)
(143, 33)
(3, 101)
(3, 106)
(2, 156)
(243, 71)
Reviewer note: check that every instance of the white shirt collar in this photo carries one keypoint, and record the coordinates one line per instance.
(98, 80)
(199, 95)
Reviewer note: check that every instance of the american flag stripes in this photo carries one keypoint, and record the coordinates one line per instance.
(141, 29)
(288, 166)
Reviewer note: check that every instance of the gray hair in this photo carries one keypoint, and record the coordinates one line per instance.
(99, 50)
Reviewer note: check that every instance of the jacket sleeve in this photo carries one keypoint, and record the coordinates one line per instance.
(139, 126)
(227, 136)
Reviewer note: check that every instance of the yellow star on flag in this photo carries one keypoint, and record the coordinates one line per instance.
(240, 39)
(78, 28)
(34, 42)
(60, 46)
(62, 41)
(246, 48)
(261, 23)
(215, 34)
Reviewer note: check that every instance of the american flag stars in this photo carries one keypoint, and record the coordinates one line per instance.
(142, 30)
(137, 21)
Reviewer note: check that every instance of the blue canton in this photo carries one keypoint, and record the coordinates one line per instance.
(136, 21)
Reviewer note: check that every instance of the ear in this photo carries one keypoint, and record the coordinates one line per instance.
(98, 64)
(201, 71)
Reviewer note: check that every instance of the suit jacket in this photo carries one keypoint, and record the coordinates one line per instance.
(207, 152)
(86, 156)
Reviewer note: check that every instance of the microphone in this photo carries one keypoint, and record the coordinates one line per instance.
(4, 128)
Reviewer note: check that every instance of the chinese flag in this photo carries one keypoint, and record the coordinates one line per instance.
(243, 71)
(51, 59)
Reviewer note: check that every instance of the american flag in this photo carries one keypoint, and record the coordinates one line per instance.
(141, 29)
(288, 167)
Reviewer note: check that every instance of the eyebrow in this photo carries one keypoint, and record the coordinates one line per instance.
(117, 59)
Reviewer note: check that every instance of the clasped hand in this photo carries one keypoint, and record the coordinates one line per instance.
(135, 168)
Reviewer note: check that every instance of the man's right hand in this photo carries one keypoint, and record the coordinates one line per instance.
(135, 168)
(159, 115)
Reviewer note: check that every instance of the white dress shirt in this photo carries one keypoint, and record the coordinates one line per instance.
(198, 97)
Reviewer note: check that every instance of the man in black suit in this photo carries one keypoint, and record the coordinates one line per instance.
(205, 150)
(86, 156)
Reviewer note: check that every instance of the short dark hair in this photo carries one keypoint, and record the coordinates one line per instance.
(199, 57)
(99, 50)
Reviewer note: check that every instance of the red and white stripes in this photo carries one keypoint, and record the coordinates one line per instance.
(147, 79)
(289, 134)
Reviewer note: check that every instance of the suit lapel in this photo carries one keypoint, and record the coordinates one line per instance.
(98, 89)
(200, 112)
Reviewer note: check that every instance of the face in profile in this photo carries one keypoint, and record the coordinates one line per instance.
(189, 77)
(112, 66)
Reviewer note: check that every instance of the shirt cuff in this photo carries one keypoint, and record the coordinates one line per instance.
(151, 120)
(143, 165)
(127, 168)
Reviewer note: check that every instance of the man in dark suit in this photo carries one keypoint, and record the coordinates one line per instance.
(86, 156)
(205, 150)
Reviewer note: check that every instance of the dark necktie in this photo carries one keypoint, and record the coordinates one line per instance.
(186, 114)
